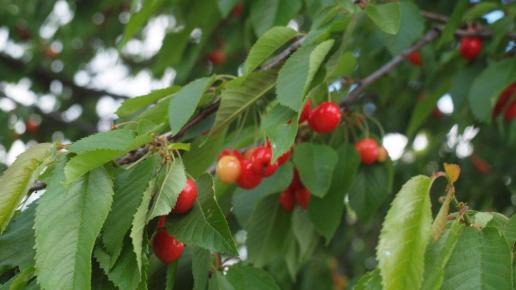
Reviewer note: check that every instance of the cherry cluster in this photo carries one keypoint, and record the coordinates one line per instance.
(296, 193)
(370, 152)
(166, 247)
(248, 170)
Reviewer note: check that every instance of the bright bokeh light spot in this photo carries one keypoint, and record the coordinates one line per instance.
(72, 113)
(461, 143)
(395, 144)
(420, 142)
(494, 16)
(16, 149)
(106, 107)
(445, 104)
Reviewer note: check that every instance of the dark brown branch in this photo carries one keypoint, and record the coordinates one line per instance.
(41, 74)
(391, 65)
(284, 54)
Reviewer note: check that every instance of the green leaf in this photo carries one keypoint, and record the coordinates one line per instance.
(326, 213)
(441, 219)
(17, 242)
(219, 282)
(405, 234)
(303, 229)
(85, 162)
(297, 73)
(315, 164)
(21, 279)
(385, 16)
(244, 277)
(266, 231)
(18, 178)
(510, 230)
(183, 104)
(136, 104)
(263, 15)
(481, 261)
(118, 139)
(282, 139)
(266, 45)
(130, 186)
(343, 66)
(205, 225)
(411, 29)
(480, 9)
(438, 254)
(124, 274)
(488, 85)
(200, 267)
(173, 184)
(453, 22)
(138, 19)
(244, 201)
(225, 6)
(370, 281)
(68, 221)
(171, 276)
(240, 94)
(139, 222)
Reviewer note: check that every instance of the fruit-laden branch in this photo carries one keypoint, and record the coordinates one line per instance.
(41, 74)
(388, 67)
(479, 30)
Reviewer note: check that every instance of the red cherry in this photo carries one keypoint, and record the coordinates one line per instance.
(470, 47)
(162, 221)
(368, 150)
(261, 159)
(248, 179)
(296, 181)
(237, 10)
(230, 152)
(325, 117)
(415, 58)
(32, 126)
(503, 99)
(269, 170)
(510, 114)
(166, 247)
(287, 200)
(302, 196)
(285, 157)
(187, 197)
(305, 114)
(217, 57)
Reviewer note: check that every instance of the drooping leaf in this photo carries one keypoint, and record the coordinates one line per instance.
(171, 276)
(239, 94)
(385, 16)
(303, 229)
(326, 212)
(21, 279)
(453, 22)
(183, 104)
(370, 281)
(200, 267)
(18, 178)
(130, 186)
(244, 277)
(405, 233)
(343, 66)
(315, 164)
(510, 230)
(139, 222)
(68, 221)
(297, 73)
(482, 260)
(280, 129)
(203, 153)
(266, 45)
(138, 19)
(173, 184)
(486, 88)
(263, 15)
(369, 189)
(205, 225)
(17, 242)
(266, 231)
(136, 104)
(124, 274)
(437, 255)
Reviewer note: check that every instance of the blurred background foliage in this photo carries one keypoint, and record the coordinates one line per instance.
(65, 66)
